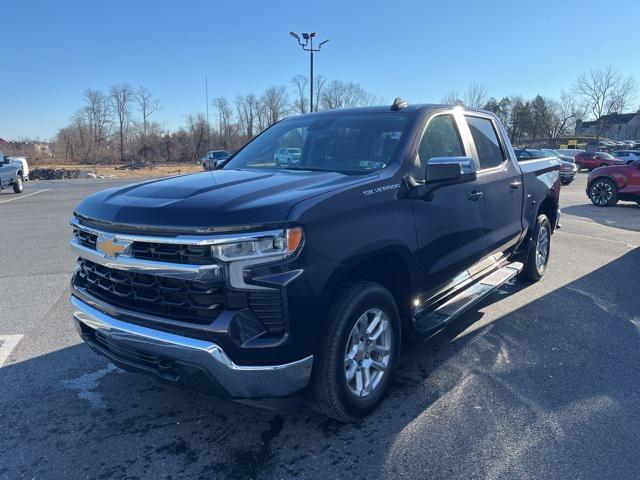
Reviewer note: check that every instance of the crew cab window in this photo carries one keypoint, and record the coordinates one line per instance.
(440, 139)
(488, 146)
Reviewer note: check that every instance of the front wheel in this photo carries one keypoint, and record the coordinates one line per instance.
(18, 185)
(356, 361)
(603, 192)
(535, 265)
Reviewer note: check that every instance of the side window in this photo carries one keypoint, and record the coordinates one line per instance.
(440, 139)
(490, 152)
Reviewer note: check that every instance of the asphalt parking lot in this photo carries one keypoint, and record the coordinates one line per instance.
(541, 381)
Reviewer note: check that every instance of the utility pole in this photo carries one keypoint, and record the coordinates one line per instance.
(307, 46)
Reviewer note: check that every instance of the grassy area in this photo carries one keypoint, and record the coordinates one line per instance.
(160, 170)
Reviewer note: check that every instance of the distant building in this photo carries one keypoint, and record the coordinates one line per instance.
(617, 126)
(27, 149)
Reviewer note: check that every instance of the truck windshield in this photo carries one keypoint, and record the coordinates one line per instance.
(354, 143)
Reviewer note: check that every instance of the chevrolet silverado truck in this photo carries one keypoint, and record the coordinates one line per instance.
(258, 280)
(11, 174)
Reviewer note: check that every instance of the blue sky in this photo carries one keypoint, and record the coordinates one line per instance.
(50, 52)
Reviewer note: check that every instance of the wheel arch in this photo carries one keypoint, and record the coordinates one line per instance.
(549, 208)
(390, 269)
(619, 180)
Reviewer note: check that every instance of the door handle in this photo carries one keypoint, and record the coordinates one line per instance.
(475, 196)
(516, 184)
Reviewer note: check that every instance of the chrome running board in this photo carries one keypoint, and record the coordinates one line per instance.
(457, 305)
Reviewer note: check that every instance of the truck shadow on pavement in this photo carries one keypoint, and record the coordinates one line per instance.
(547, 388)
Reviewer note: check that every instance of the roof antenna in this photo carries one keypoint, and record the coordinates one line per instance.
(398, 104)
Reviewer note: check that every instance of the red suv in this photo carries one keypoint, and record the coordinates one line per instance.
(609, 184)
(595, 160)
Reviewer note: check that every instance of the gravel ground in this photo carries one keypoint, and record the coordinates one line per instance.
(540, 381)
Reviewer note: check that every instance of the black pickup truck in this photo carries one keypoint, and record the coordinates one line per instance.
(259, 280)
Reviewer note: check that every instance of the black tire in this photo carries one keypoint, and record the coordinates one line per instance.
(532, 270)
(329, 392)
(603, 192)
(18, 185)
(566, 182)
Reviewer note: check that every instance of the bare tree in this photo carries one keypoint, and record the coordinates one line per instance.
(246, 106)
(275, 101)
(225, 114)
(148, 105)
(476, 95)
(605, 92)
(198, 129)
(93, 124)
(339, 94)
(452, 98)
(319, 83)
(563, 115)
(121, 98)
(300, 103)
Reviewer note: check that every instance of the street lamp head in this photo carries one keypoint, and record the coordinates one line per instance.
(294, 35)
(305, 36)
(312, 34)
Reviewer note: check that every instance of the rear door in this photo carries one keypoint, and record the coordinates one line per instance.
(448, 221)
(500, 179)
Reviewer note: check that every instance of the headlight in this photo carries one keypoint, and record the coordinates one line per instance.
(277, 245)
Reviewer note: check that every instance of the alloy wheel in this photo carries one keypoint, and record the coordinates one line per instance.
(368, 352)
(602, 193)
(542, 249)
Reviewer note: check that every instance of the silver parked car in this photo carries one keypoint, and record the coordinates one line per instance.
(212, 158)
(287, 156)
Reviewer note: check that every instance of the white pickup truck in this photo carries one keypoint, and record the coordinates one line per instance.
(13, 172)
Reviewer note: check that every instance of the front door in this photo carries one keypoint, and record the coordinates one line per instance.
(448, 221)
(501, 181)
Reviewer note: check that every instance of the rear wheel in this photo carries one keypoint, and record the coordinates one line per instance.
(603, 192)
(356, 361)
(535, 265)
(18, 185)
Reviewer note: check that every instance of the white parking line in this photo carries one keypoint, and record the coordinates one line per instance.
(7, 344)
(25, 196)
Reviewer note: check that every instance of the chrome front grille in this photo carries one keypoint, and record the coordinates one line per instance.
(169, 277)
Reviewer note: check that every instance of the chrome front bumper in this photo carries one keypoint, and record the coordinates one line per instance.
(125, 344)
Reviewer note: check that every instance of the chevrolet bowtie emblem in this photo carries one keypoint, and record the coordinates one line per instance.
(112, 246)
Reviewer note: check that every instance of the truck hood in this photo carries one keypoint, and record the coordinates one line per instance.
(211, 201)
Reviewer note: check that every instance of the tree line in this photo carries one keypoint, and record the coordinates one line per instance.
(119, 124)
(594, 94)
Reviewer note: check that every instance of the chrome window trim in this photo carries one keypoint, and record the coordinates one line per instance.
(506, 154)
(454, 113)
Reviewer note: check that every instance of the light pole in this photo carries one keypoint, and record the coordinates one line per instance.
(307, 46)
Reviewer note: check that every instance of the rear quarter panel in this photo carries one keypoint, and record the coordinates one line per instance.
(541, 179)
